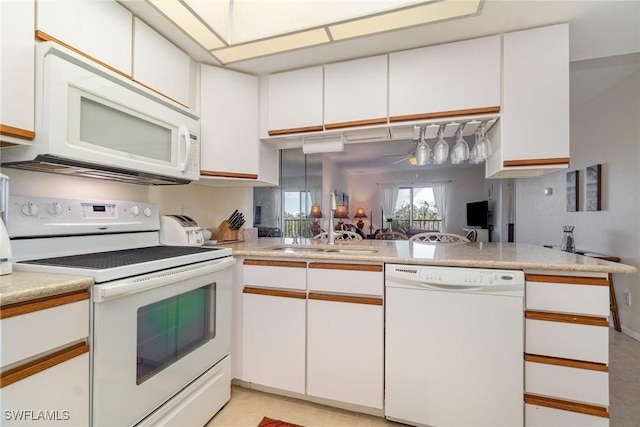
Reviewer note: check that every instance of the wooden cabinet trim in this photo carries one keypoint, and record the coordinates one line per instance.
(220, 174)
(274, 292)
(17, 132)
(566, 318)
(20, 308)
(444, 114)
(569, 363)
(345, 298)
(553, 161)
(42, 36)
(354, 123)
(31, 368)
(566, 405)
(270, 263)
(352, 267)
(277, 132)
(568, 280)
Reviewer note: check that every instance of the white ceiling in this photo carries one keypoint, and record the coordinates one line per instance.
(598, 29)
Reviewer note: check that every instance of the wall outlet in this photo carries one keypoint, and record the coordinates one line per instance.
(626, 298)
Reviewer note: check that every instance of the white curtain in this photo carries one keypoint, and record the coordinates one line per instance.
(441, 194)
(388, 194)
(315, 193)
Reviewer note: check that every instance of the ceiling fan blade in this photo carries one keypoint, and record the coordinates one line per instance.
(395, 155)
(402, 160)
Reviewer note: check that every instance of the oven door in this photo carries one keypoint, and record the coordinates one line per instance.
(154, 334)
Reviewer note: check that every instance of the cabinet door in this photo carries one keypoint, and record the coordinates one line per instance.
(345, 349)
(273, 339)
(101, 30)
(56, 396)
(355, 92)
(450, 79)
(17, 77)
(228, 123)
(295, 101)
(160, 65)
(535, 108)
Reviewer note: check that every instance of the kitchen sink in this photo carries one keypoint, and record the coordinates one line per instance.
(324, 249)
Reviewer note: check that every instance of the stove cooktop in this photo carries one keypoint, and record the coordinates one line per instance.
(122, 258)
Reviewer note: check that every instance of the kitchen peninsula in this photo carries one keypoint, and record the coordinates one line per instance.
(296, 304)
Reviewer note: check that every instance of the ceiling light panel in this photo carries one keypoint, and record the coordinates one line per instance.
(425, 14)
(271, 46)
(258, 19)
(214, 13)
(184, 19)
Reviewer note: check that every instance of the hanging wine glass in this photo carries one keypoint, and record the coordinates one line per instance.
(487, 143)
(474, 155)
(460, 151)
(441, 149)
(423, 151)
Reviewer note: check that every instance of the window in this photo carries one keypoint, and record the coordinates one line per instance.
(416, 209)
(297, 205)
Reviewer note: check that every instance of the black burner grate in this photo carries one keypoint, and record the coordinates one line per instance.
(105, 260)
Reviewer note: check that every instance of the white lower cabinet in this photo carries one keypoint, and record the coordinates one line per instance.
(55, 396)
(345, 351)
(566, 349)
(273, 341)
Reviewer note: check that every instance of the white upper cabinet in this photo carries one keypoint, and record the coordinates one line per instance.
(455, 79)
(101, 30)
(355, 92)
(17, 76)
(295, 101)
(533, 133)
(228, 124)
(160, 65)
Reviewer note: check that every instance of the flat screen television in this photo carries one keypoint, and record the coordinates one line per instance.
(478, 214)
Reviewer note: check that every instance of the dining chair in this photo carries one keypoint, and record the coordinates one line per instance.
(340, 235)
(391, 235)
(472, 235)
(439, 238)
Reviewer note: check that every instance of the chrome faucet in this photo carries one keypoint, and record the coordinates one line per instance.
(331, 235)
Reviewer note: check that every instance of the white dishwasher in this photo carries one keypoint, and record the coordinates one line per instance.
(454, 344)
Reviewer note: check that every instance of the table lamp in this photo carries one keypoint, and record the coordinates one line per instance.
(315, 214)
(340, 213)
(360, 214)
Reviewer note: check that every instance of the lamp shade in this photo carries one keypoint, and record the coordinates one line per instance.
(315, 212)
(360, 213)
(341, 212)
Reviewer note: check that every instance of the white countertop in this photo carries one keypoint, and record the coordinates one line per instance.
(481, 255)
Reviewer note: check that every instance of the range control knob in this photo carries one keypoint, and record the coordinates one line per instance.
(135, 210)
(55, 208)
(30, 209)
(147, 212)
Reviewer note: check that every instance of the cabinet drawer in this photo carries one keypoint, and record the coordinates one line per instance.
(48, 329)
(585, 296)
(567, 340)
(60, 392)
(565, 382)
(540, 416)
(275, 274)
(346, 278)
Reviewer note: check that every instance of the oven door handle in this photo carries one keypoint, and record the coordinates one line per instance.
(154, 280)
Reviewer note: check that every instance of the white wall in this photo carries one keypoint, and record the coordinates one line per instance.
(605, 129)
(467, 185)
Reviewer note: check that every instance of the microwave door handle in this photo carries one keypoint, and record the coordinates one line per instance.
(186, 148)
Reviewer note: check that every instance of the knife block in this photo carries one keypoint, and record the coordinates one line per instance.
(225, 233)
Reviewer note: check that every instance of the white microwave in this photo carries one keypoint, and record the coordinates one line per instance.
(93, 122)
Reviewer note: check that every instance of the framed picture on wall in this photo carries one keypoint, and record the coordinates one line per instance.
(593, 188)
(572, 191)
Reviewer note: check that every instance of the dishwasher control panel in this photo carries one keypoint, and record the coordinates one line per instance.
(454, 276)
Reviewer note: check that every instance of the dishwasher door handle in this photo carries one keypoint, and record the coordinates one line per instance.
(433, 286)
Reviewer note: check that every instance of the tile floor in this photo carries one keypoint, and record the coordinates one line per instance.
(247, 407)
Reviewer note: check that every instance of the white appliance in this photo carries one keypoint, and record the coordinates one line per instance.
(160, 341)
(5, 244)
(93, 122)
(180, 230)
(454, 345)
